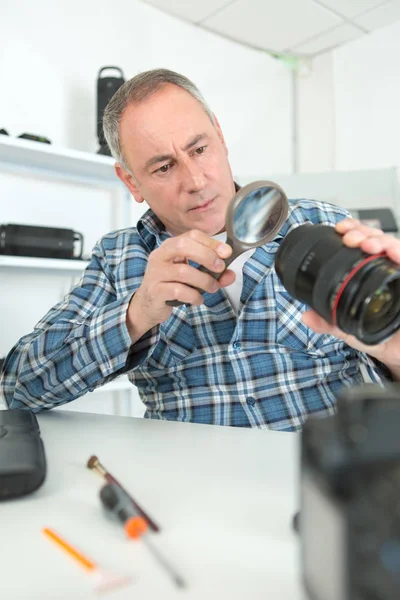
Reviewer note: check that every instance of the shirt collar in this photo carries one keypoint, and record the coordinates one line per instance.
(151, 230)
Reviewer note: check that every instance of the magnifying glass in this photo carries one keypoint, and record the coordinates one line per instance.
(254, 217)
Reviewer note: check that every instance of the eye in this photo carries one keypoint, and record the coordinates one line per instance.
(163, 169)
(201, 149)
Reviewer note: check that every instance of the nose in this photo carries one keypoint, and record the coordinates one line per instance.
(193, 179)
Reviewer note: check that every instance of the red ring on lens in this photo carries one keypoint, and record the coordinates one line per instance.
(346, 281)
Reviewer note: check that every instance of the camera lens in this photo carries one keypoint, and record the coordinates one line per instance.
(358, 292)
(380, 303)
(382, 306)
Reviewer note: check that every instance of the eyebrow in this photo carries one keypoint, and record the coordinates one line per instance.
(163, 157)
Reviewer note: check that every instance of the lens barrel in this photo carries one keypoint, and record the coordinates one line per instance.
(358, 292)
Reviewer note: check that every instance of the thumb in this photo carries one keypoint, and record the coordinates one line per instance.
(317, 323)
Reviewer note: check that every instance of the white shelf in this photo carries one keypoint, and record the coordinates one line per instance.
(28, 262)
(29, 154)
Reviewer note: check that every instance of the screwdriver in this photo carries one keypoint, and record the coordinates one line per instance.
(94, 464)
(119, 505)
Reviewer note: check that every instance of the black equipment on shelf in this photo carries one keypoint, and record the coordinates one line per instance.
(34, 138)
(382, 218)
(42, 242)
(106, 88)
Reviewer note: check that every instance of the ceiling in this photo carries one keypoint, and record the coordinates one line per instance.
(301, 27)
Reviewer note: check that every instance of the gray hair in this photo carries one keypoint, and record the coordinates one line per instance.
(136, 90)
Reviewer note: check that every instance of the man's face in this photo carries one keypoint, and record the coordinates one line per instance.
(179, 161)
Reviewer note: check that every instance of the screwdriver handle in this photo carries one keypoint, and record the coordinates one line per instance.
(135, 527)
(118, 504)
(152, 524)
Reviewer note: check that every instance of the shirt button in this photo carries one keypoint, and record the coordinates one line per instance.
(237, 345)
(251, 401)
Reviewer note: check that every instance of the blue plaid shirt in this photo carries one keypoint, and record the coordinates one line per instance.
(261, 368)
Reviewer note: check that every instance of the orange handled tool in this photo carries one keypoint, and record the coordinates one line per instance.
(117, 502)
(119, 505)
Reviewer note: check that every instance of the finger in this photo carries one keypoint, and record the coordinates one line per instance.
(223, 250)
(393, 252)
(188, 275)
(384, 243)
(181, 292)
(346, 225)
(184, 247)
(195, 277)
(319, 325)
(376, 244)
(201, 280)
(349, 224)
(355, 237)
(227, 278)
(370, 239)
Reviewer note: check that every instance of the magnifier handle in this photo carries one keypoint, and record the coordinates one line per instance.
(212, 273)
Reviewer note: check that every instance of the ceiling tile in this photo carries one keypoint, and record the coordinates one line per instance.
(384, 15)
(351, 8)
(189, 10)
(327, 41)
(270, 24)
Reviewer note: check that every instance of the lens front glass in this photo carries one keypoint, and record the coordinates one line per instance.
(383, 307)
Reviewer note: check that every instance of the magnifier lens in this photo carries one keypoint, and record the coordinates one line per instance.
(257, 215)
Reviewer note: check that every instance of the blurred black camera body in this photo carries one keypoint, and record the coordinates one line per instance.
(350, 498)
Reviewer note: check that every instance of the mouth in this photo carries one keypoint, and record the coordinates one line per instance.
(203, 207)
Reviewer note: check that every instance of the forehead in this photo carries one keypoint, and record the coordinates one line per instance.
(171, 115)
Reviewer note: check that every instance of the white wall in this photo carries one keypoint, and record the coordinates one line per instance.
(50, 53)
(316, 117)
(348, 120)
(367, 101)
(348, 106)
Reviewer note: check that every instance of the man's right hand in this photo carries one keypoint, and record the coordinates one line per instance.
(169, 277)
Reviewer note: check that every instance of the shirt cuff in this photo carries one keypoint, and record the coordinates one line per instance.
(142, 349)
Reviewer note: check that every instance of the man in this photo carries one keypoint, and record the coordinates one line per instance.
(247, 357)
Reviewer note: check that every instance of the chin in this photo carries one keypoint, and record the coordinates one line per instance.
(213, 227)
(210, 226)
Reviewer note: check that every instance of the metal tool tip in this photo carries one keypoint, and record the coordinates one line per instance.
(180, 582)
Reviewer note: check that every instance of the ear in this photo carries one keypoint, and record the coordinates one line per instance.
(129, 181)
(219, 132)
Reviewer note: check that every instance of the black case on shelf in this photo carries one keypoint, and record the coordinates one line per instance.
(43, 242)
(22, 457)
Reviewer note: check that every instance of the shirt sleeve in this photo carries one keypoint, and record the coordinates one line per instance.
(80, 344)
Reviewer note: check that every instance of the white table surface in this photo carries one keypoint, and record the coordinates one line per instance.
(224, 497)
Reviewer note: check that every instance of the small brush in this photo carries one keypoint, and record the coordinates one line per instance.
(95, 465)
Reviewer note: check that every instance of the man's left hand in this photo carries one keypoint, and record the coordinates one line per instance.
(371, 241)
